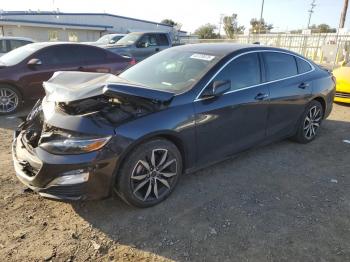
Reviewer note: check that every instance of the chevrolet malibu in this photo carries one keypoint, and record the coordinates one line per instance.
(180, 110)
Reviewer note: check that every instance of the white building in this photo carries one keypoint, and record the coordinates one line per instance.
(82, 27)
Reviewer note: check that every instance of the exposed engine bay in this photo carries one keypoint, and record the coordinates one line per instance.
(109, 110)
(94, 103)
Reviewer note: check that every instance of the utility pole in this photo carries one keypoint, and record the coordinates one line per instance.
(261, 16)
(310, 12)
(343, 14)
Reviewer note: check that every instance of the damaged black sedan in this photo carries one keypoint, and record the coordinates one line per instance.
(179, 110)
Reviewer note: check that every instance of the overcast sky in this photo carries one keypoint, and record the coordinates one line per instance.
(283, 14)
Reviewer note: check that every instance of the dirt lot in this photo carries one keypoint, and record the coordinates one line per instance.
(283, 202)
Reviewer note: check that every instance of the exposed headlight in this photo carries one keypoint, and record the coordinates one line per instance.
(74, 145)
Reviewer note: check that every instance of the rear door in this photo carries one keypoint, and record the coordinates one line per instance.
(237, 119)
(92, 59)
(290, 88)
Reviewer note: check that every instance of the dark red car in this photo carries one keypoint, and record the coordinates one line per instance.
(23, 70)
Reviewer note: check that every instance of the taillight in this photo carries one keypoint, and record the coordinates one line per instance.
(132, 61)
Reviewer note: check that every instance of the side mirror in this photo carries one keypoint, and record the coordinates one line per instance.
(34, 62)
(218, 88)
(112, 42)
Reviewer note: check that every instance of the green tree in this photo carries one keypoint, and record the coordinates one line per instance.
(322, 28)
(169, 22)
(258, 26)
(231, 26)
(206, 31)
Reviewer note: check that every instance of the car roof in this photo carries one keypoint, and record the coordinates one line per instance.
(16, 38)
(223, 49)
(45, 44)
(149, 32)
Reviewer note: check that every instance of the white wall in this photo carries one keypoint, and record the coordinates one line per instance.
(41, 34)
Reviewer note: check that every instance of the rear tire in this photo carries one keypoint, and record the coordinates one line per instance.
(149, 173)
(309, 123)
(10, 99)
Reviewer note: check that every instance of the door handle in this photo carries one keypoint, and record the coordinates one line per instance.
(81, 68)
(304, 85)
(261, 96)
(157, 49)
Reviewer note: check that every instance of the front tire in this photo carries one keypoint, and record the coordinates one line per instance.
(149, 173)
(309, 123)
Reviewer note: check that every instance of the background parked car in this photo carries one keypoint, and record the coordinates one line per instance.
(140, 45)
(342, 74)
(106, 40)
(23, 70)
(9, 43)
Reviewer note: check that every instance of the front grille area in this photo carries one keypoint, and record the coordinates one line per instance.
(342, 94)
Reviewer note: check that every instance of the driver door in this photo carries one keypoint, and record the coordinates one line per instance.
(237, 119)
(146, 46)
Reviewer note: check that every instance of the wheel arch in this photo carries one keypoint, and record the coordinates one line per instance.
(167, 135)
(322, 101)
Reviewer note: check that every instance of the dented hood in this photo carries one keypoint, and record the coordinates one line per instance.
(71, 86)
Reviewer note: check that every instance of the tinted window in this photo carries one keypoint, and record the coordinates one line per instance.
(91, 54)
(303, 66)
(71, 54)
(55, 55)
(17, 43)
(279, 65)
(3, 48)
(162, 39)
(244, 71)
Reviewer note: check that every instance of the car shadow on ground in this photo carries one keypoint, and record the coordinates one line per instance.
(285, 201)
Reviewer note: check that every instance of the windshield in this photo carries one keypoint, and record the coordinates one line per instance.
(171, 70)
(104, 39)
(19, 54)
(129, 39)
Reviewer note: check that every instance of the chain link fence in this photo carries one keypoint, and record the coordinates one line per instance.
(330, 50)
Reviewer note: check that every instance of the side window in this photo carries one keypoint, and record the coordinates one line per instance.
(91, 54)
(279, 65)
(244, 71)
(163, 40)
(3, 47)
(303, 66)
(17, 43)
(58, 55)
(153, 40)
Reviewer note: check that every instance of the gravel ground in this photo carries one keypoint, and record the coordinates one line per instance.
(282, 202)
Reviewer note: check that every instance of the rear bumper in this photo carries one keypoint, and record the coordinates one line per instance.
(40, 170)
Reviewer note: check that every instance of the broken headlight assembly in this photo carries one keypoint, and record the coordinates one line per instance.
(74, 145)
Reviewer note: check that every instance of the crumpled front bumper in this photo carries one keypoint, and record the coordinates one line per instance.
(39, 170)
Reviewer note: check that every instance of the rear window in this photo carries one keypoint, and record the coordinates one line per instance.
(279, 65)
(162, 39)
(303, 66)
